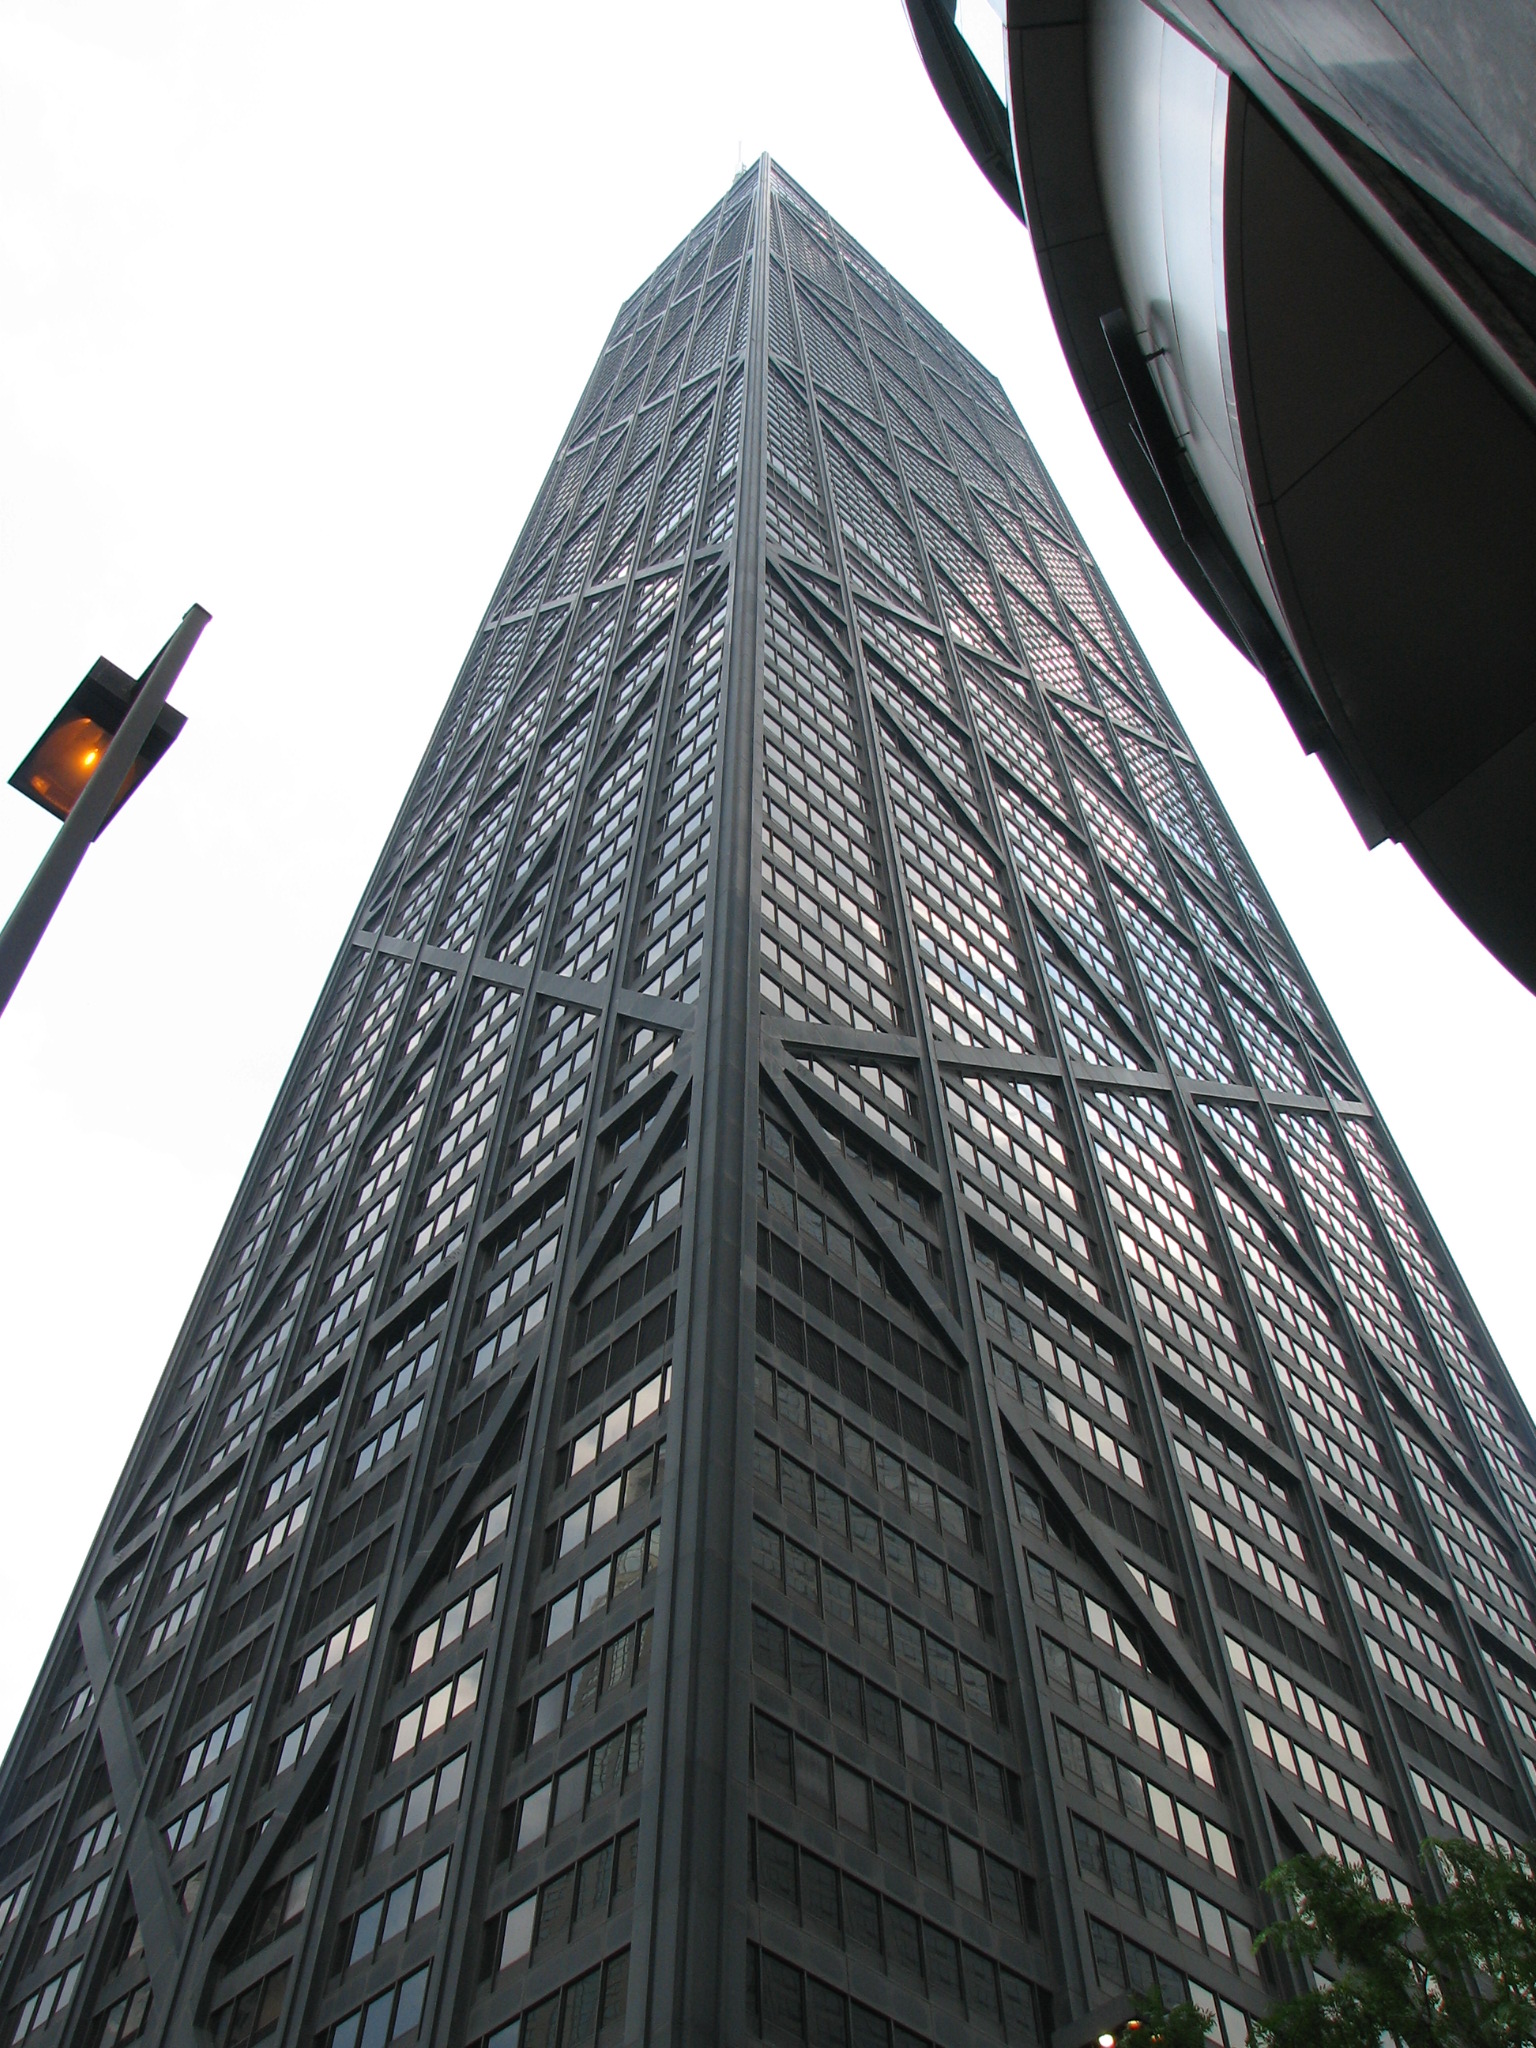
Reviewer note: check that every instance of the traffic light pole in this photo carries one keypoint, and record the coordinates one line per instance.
(44, 893)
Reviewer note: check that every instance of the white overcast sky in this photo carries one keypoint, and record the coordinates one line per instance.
(295, 302)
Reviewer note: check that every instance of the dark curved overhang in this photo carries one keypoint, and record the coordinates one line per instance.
(1394, 482)
(1055, 191)
(1053, 139)
(1438, 752)
(969, 97)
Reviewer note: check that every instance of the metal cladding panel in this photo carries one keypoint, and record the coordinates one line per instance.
(825, 1412)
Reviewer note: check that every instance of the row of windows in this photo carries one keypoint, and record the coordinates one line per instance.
(786, 2004)
(1007, 725)
(865, 1810)
(408, 922)
(341, 1643)
(867, 1619)
(884, 1548)
(1124, 1789)
(527, 709)
(560, 760)
(1424, 1642)
(1018, 1210)
(1358, 1497)
(1257, 1563)
(1356, 1264)
(904, 650)
(1498, 1434)
(386, 1918)
(644, 657)
(680, 839)
(1453, 1812)
(1053, 871)
(883, 1098)
(1318, 1775)
(388, 1438)
(1217, 1480)
(807, 1217)
(622, 1662)
(972, 969)
(945, 1858)
(1175, 991)
(459, 912)
(1071, 1420)
(74, 1914)
(46, 2003)
(634, 1347)
(596, 1592)
(618, 1423)
(391, 2016)
(856, 1704)
(638, 1279)
(126, 2020)
(1238, 1133)
(885, 1338)
(566, 1904)
(814, 792)
(590, 920)
(1120, 843)
(428, 1799)
(299, 1740)
(12, 1901)
(863, 998)
(1101, 1696)
(1092, 1024)
(1058, 1594)
(457, 1620)
(1295, 1326)
(1148, 1889)
(92, 1840)
(794, 518)
(913, 716)
(672, 518)
(833, 1904)
(900, 1483)
(1027, 1323)
(1012, 1118)
(587, 2013)
(883, 551)
(446, 1702)
(207, 1750)
(580, 1524)
(517, 941)
(1120, 1963)
(1296, 1700)
(576, 1789)
(546, 1141)
(1056, 1356)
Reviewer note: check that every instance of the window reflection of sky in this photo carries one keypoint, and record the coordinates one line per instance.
(981, 23)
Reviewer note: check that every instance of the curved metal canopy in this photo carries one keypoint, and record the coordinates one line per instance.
(1387, 435)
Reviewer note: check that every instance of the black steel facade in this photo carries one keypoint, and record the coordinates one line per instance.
(826, 1412)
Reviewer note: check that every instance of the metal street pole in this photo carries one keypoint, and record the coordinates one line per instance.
(44, 893)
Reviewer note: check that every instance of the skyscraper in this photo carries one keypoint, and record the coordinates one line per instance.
(825, 1412)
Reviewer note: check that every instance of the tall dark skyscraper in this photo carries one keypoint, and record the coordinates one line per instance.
(825, 1412)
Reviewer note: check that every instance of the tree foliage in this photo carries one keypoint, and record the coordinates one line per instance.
(1456, 1971)
(1158, 2026)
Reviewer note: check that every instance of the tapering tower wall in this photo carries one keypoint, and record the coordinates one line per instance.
(826, 1412)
